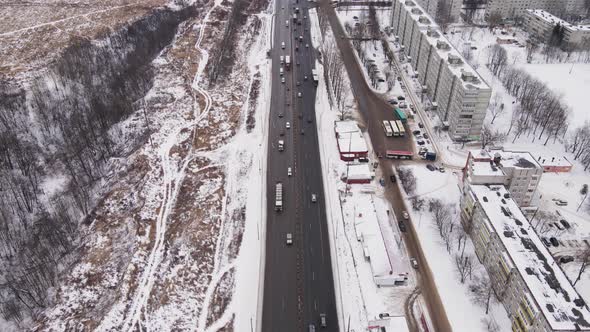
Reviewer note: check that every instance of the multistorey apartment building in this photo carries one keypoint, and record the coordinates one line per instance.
(459, 95)
(519, 171)
(432, 7)
(512, 9)
(525, 277)
(540, 24)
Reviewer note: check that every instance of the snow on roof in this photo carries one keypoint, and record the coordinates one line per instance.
(547, 17)
(555, 296)
(462, 69)
(341, 127)
(367, 228)
(516, 159)
(389, 324)
(352, 142)
(553, 161)
(484, 168)
(360, 171)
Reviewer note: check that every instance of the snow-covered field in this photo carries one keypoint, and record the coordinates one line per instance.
(177, 244)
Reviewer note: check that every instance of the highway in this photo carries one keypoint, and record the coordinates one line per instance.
(373, 110)
(298, 284)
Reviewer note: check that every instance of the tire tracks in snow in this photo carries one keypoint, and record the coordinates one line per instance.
(173, 179)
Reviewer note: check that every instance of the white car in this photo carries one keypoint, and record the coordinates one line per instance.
(299, 94)
(414, 262)
(289, 171)
(405, 215)
(307, 45)
(288, 125)
(282, 80)
(287, 23)
(314, 198)
(289, 239)
(283, 45)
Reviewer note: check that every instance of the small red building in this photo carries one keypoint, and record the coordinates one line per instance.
(350, 140)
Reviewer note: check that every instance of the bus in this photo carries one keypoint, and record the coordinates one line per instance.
(394, 128)
(400, 126)
(399, 154)
(387, 129)
(401, 115)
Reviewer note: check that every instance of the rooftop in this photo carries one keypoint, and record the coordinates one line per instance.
(552, 19)
(555, 296)
(516, 159)
(460, 67)
(553, 161)
(352, 142)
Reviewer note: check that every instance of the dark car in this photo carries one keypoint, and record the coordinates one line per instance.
(363, 159)
(302, 132)
(546, 242)
(425, 135)
(431, 167)
(565, 223)
(554, 241)
(309, 120)
(401, 98)
(402, 226)
(393, 102)
(421, 142)
(566, 259)
(392, 178)
(420, 125)
(416, 132)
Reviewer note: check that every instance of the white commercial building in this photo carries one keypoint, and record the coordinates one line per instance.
(512, 9)
(520, 172)
(539, 24)
(525, 277)
(461, 96)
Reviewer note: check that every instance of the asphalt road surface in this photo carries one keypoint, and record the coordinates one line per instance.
(374, 110)
(298, 284)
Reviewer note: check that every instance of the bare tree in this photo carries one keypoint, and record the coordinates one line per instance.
(482, 290)
(584, 193)
(490, 324)
(443, 15)
(494, 19)
(496, 107)
(464, 264)
(584, 258)
(491, 136)
(408, 180)
(497, 59)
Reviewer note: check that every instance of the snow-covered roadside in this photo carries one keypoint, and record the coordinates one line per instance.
(462, 312)
(358, 299)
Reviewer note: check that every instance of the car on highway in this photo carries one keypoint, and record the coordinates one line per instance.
(289, 171)
(283, 45)
(302, 132)
(309, 120)
(414, 262)
(305, 78)
(402, 226)
(306, 45)
(288, 125)
(314, 198)
(282, 80)
(289, 239)
(298, 83)
(299, 94)
(298, 63)
(282, 133)
(405, 215)
(280, 115)
(287, 23)
(323, 321)
(430, 167)
(311, 328)
(392, 178)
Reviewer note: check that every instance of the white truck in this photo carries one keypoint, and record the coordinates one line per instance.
(281, 145)
(288, 62)
(314, 74)
(279, 197)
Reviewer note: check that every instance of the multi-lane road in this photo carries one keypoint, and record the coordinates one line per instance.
(298, 284)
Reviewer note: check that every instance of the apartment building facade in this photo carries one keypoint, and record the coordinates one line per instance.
(540, 24)
(514, 9)
(432, 6)
(461, 96)
(524, 276)
(519, 171)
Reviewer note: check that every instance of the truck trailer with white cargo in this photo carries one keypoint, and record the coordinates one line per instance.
(279, 197)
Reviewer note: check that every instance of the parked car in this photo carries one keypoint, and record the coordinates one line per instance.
(425, 135)
(393, 102)
(566, 259)
(554, 241)
(421, 142)
(420, 125)
(401, 98)
(565, 223)
(430, 167)
(414, 262)
(416, 132)
(546, 242)
(405, 215)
